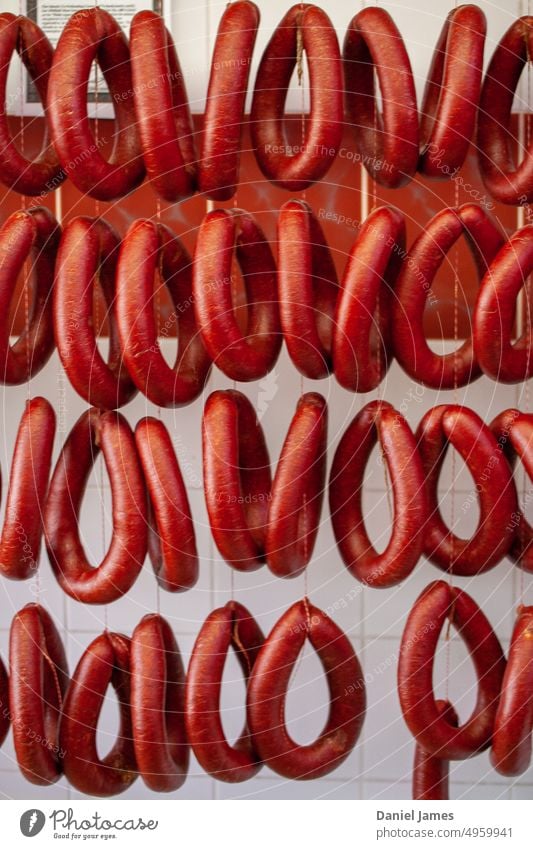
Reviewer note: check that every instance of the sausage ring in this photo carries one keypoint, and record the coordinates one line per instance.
(146, 249)
(308, 28)
(20, 542)
(93, 34)
(298, 489)
(378, 420)
(308, 289)
(506, 181)
(495, 309)
(451, 96)
(162, 108)
(171, 538)
(106, 660)
(362, 326)
(484, 239)
(511, 740)
(218, 167)
(431, 774)
(37, 684)
(431, 727)
(231, 625)
(267, 693)
(239, 356)
(33, 233)
(43, 174)
(158, 705)
(89, 251)
(464, 430)
(237, 478)
(122, 563)
(5, 715)
(388, 144)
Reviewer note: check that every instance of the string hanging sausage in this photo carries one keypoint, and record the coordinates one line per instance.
(88, 252)
(430, 773)
(218, 166)
(241, 356)
(413, 288)
(146, 249)
(434, 732)
(231, 625)
(171, 537)
(37, 685)
(28, 234)
(462, 428)
(267, 693)
(388, 143)
(451, 96)
(162, 108)
(511, 740)
(42, 174)
(495, 311)
(20, 542)
(378, 421)
(507, 181)
(303, 28)
(362, 326)
(5, 716)
(158, 705)
(308, 289)
(93, 34)
(105, 661)
(109, 432)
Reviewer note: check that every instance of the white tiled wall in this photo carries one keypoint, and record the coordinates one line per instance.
(380, 765)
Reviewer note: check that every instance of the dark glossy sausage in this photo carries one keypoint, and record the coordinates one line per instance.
(32, 234)
(109, 432)
(149, 248)
(267, 694)
(162, 108)
(431, 774)
(362, 325)
(308, 29)
(38, 682)
(89, 252)
(434, 732)
(378, 421)
(171, 537)
(460, 427)
(231, 625)
(105, 661)
(5, 714)
(93, 34)
(43, 173)
(158, 705)
(20, 542)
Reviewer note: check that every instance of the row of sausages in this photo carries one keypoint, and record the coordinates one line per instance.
(165, 712)
(257, 517)
(352, 327)
(154, 127)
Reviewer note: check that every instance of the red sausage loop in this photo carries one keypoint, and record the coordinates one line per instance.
(494, 487)
(310, 27)
(231, 625)
(267, 693)
(88, 252)
(93, 34)
(378, 421)
(20, 542)
(171, 537)
(434, 732)
(42, 174)
(5, 715)
(109, 432)
(32, 234)
(37, 685)
(149, 248)
(431, 774)
(105, 661)
(158, 705)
